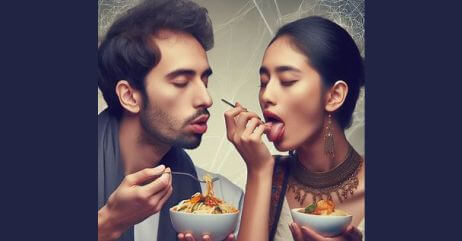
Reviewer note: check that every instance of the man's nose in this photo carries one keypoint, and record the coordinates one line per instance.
(202, 98)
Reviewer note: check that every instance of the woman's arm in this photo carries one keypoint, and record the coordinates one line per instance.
(255, 213)
(245, 130)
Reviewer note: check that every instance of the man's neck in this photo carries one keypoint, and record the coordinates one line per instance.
(136, 153)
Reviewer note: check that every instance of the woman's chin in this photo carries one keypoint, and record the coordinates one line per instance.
(283, 146)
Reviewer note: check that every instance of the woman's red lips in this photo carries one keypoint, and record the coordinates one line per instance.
(270, 116)
(275, 129)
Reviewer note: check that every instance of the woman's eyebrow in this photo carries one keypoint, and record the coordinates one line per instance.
(285, 68)
(279, 69)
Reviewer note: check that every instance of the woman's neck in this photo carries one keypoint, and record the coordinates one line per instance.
(136, 152)
(311, 154)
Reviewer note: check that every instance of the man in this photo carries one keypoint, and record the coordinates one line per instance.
(153, 73)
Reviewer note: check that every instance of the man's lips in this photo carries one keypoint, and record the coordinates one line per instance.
(199, 125)
(201, 119)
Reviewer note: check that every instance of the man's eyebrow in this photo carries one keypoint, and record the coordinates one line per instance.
(264, 70)
(207, 72)
(179, 72)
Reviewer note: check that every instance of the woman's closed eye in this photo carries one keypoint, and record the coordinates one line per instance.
(288, 82)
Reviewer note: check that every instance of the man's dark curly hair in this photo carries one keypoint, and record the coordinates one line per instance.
(128, 51)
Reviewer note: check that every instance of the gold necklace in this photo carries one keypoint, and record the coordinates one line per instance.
(342, 180)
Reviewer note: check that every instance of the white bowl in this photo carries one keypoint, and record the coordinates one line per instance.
(327, 226)
(218, 226)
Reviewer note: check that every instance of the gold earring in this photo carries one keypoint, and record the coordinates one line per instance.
(329, 139)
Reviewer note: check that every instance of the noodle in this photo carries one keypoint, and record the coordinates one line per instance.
(207, 203)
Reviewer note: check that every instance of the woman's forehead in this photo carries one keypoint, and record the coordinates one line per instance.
(283, 52)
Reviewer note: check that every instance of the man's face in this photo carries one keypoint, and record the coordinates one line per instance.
(174, 109)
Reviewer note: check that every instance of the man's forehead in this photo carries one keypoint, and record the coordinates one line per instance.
(169, 38)
(180, 50)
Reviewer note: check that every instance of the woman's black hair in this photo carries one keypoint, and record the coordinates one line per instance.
(128, 52)
(332, 52)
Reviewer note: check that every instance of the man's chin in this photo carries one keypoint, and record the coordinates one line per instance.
(190, 142)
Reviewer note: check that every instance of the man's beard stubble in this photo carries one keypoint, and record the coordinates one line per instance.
(160, 128)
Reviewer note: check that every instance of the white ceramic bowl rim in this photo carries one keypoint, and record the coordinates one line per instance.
(320, 216)
(204, 214)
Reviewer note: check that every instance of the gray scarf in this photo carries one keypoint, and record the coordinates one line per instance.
(111, 173)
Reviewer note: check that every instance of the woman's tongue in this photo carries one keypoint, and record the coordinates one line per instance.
(275, 132)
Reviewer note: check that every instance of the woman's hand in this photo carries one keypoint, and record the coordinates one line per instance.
(189, 237)
(245, 130)
(307, 234)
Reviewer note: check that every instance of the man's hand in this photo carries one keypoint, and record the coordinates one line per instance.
(189, 237)
(140, 195)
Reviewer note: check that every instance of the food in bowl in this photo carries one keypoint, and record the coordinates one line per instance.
(323, 218)
(207, 203)
(324, 208)
(206, 214)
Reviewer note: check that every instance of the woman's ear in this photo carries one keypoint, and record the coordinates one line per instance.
(336, 96)
(129, 98)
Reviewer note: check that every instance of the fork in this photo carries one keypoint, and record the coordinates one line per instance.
(193, 177)
(230, 104)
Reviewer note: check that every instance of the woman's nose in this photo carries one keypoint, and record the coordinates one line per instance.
(268, 94)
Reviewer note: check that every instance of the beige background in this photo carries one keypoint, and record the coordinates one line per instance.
(242, 31)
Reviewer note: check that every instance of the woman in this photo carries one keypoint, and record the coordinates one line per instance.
(310, 78)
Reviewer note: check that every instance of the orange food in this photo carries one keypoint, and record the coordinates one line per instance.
(324, 207)
(195, 198)
(207, 203)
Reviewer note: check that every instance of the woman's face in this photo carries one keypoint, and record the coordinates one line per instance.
(290, 96)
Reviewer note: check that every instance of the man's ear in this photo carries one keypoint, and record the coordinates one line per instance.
(129, 98)
(336, 95)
